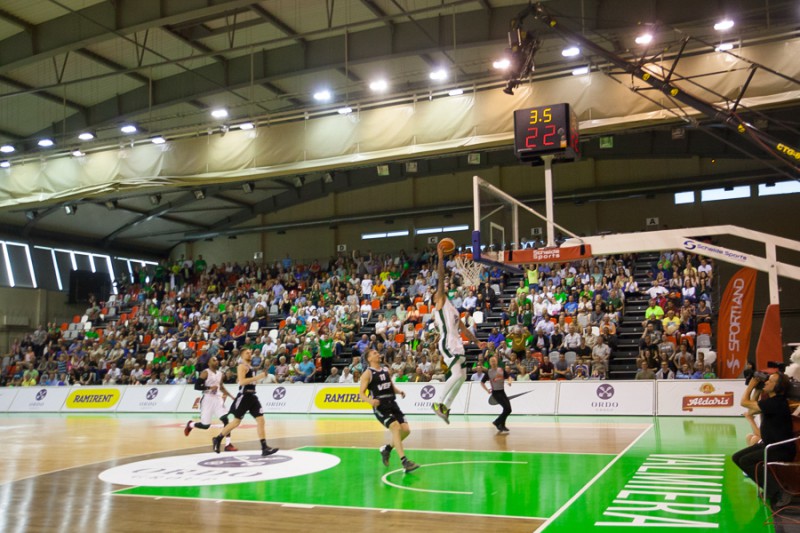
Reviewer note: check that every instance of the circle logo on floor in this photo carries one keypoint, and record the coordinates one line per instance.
(218, 469)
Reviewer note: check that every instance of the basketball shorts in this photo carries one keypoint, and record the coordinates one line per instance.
(388, 412)
(246, 403)
(212, 408)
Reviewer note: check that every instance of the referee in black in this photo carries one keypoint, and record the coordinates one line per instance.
(496, 376)
(382, 397)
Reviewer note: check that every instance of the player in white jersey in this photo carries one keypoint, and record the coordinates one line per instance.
(212, 404)
(451, 347)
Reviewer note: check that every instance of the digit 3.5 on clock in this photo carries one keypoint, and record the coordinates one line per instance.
(546, 130)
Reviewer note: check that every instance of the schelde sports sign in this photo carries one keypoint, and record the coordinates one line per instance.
(90, 398)
(335, 399)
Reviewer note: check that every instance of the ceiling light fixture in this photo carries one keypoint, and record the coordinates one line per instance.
(723, 25)
(580, 71)
(378, 85)
(45, 143)
(199, 194)
(645, 38)
(158, 139)
(572, 51)
(86, 136)
(77, 153)
(5, 163)
(456, 92)
(346, 110)
(219, 113)
(724, 47)
(71, 209)
(7, 149)
(247, 126)
(439, 74)
(322, 96)
(128, 129)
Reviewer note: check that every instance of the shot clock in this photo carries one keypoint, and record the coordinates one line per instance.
(546, 130)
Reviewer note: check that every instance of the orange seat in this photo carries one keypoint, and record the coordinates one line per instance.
(423, 309)
(282, 324)
(418, 327)
(64, 326)
(399, 338)
(76, 319)
(213, 327)
(704, 328)
(147, 339)
(123, 317)
(568, 319)
(376, 304)
(134, 311)
(418, 300)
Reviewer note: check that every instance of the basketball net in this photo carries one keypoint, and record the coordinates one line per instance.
(469, 270)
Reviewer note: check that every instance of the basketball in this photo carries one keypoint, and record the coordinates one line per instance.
(447, 245)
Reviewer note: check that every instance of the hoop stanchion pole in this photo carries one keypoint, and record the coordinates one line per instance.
(548, 199)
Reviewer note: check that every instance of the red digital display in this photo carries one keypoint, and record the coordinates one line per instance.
(551, 129)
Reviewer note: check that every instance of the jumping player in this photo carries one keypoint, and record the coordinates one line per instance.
(496, 376)
(246, 402)
(450, 328)
(382, 394)
(212, 405)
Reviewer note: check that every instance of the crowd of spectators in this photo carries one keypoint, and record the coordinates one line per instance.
(313, 322)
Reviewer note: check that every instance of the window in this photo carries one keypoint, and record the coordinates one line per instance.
(684, 197)
(728, 193)
(782, 187)
(445, 229)
(401, 233)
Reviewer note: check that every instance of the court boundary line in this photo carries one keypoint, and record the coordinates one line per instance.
(435, 491)
(327, 506)
(459, 450)
(592, 481)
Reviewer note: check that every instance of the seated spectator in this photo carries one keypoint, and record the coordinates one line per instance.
(347, 376)
(665, 372)
(645, 372)
(684, 372)
(561, 368)
(334, 376)
(546, 369)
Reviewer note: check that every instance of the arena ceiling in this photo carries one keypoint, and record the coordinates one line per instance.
(72, 66)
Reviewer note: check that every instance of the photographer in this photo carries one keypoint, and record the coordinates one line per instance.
(776, 426)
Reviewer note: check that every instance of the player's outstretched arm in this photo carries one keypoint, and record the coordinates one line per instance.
(462, 328)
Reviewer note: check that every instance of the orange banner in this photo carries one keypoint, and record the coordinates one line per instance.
(548, 255)
(770, 345)
(735, 323)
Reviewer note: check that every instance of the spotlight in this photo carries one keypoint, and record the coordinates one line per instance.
(219, 113)
(45, 143)
(155, 199)
(248, 187)
(87, 136)
(723, 25)
(346, 110)
(77, 153)
(299, 181)
(247, 126)
(158, 139)
(580, 71)
(199, 194)
(322, 96)
(6, 149)
(128, 129)
(724, 47)
(378, 85)
(572, 51)
(5, 163)
(502, 64)
(111, 204)
(456, 92)
(71, 209)
(438, 75)
(645, 38)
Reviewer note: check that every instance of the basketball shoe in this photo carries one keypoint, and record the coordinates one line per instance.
(386, 453)
(442, 411)
(188, 428)
(231, 448)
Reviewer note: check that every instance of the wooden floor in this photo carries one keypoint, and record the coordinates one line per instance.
(50, 466)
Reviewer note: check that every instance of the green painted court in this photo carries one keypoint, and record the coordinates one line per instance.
(674, 473)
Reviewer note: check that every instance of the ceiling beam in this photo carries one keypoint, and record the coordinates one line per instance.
(113, 65)
(275, 21)
(80, 28)
(50, 97)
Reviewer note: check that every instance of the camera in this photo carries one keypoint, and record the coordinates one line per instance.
(761, 378)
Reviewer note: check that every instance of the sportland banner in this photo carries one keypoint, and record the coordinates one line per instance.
(735, 323)
(770, 341)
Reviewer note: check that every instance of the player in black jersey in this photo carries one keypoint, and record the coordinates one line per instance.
(382, 393)
(246, 402)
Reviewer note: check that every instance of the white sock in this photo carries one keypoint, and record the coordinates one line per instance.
(227, 440)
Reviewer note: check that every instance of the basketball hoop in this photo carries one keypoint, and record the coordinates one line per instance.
(469, 270)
